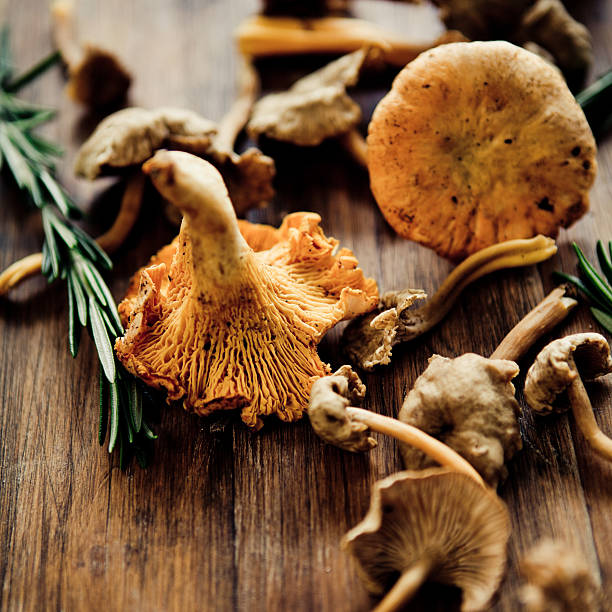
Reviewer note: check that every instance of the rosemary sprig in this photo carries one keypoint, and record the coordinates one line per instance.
(70, 254)
(596, 102)
(592, 284)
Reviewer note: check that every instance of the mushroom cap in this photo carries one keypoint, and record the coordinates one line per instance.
(329, 398)
(440, 516)
(558, 580)
(224, 327)
(559, 363)
(477, 143)
(99, 80)
(468, 403)
(314, 108)
(131, 136)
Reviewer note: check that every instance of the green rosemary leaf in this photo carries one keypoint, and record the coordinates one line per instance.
(129, 426)
(604, 293)
(74, 329)
(56, 192)
(45, 266)
(42, 66)
(20, 168)
(604, 262)
(50, 242)
(610, 248)
(114, 416)
(103, 414)
(596, 102)
(79, 295)
(102, 341)
(148, 432)
(89, 281)
(603, 318)
(63, 231)
(135, 405)
(25, 125)
(6, 61)
(141, 457)
(23, 145)
(574, 280)
(115, 327)
(92, 248)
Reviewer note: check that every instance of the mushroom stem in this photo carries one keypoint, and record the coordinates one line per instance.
(537, 322)
(585, 419)
(413, 436)
(265, 36)
(62, 13)
(110, 241)
(508, 254)
(356, 145)
(406, 586)
(236, 118)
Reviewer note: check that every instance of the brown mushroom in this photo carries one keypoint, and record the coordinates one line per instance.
(468, 403)
(348, 427)
(560, 367)
(558, 580)
(369, 340)
(432, 525)
(477, 143)
(97, 77)
(224, 327)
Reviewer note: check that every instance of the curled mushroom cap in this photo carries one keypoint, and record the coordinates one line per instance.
(432, 525)
(224, 327)
(558, 580)
(557, 369)
(315, 107)
(468, 403)
(477, 143)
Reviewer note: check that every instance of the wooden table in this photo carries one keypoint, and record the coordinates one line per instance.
(224, 518)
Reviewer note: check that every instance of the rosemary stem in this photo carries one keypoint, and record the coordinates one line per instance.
(38, 68)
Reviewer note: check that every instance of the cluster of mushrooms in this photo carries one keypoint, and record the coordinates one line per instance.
(480, 152)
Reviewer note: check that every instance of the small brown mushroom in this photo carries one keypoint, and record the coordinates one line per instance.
(348, 427)
(369, 340)
(432, 525)
(468, 403)
(558, 580)
(97, 77)
(558, 368)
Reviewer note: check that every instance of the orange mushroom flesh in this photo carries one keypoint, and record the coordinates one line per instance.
(224, 327)
(477, 143)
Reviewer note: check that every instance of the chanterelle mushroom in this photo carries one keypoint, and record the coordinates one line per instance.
(478, 143)
(224, 327)
(468, 403)
(558, 580)
(558, 368)
(433, 525)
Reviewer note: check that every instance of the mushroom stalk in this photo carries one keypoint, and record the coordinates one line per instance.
(413, 436)
(266, 36)
(406, 586)
(110, 241)
(585, 419)
(356, 145)
(509, 254)
(64, 32)
(537, 322)
(238, 115)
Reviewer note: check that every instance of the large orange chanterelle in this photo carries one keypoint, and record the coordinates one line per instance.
(222, 326)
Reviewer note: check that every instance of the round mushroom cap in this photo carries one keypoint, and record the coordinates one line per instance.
(559, 363)
(468, 403)
(441, 517)
(477, 143)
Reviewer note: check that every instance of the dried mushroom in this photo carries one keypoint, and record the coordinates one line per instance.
(369, 340)
(315, 107)
(348, 427)
(436, 526)
(559, 368)
(97, 77)
(545, 23)
(558, 580)
(224, 327)
(468, 403)
(477, 143)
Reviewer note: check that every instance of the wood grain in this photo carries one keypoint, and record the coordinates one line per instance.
(226, 519)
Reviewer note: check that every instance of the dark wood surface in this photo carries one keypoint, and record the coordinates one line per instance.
(226, 519)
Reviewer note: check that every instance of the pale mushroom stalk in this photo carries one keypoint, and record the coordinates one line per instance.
(413, 436)
(110, 241)
(545, 316)
(356, 145)
(406, 586)
(268, 36)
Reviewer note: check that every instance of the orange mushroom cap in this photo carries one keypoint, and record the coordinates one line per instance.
(477, 143)
(223, 326)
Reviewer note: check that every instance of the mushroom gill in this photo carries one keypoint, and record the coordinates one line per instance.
(225, 327)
